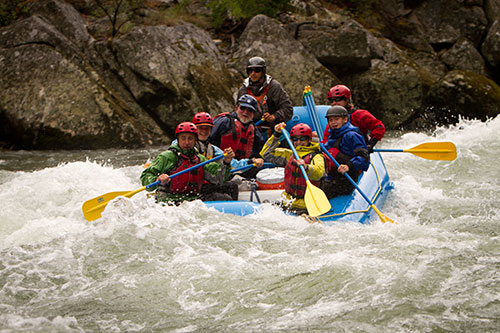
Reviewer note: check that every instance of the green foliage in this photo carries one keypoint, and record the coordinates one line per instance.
(11, 10)
(238, 10)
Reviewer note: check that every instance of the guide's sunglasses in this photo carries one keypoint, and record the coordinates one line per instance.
(299, 138)
(256, 70)
(336, 99)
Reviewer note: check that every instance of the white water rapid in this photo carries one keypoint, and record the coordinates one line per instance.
(146, 267)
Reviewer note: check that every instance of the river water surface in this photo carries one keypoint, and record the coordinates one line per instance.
(145, 267)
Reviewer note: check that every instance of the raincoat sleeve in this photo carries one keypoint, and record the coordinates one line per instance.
(353, 144)
(272, 154)
(161, 164)
(367, 123)
(316, 169)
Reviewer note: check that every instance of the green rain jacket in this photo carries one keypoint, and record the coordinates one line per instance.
(214, 172)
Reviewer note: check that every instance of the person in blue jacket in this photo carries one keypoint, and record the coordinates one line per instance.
(236, 130)
(347, 145)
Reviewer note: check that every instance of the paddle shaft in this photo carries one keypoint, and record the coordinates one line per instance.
(269, 165)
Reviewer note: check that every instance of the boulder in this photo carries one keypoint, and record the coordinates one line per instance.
(287, 60)
(392, 92)
(447, 21)
(463, 55)
(465, 94)
(173, 72)
(491, 46)
(50, 98)
(341, 46)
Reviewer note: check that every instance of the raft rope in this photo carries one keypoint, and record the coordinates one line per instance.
(253, 190)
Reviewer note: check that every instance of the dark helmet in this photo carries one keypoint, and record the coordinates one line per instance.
(337, 110)
(256, 62)
(248, 101)
(186, 127)
(203, 118)
(301, 130)
(339, 91)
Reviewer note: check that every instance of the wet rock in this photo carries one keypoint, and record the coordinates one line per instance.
(463, 55)
(342, 47)
(465, 94)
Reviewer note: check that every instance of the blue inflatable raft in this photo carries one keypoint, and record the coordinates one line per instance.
(374, 183)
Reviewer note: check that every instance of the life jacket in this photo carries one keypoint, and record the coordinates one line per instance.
(189, 182)
(206, 149)
(295, 184)
(261, 99)
(238, 138)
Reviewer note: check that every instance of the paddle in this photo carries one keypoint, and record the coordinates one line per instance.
(311, 110)
(93, 208)
(315, 199)
(445, 151)
(265, 165)
(382, 217)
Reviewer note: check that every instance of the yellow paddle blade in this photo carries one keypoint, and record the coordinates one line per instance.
(93, 208)
(446, 151)
(316, 201)
(382, 217)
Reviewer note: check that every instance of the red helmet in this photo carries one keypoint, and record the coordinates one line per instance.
(186, 127)
(203, 118)
(339, 91)
(301, 130)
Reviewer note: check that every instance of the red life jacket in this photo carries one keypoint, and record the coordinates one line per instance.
(295, 184)
(238, 138)
(189, 182)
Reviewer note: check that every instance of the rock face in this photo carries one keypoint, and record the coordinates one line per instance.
(413, 64)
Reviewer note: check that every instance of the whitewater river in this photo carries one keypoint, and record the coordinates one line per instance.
(144, 267)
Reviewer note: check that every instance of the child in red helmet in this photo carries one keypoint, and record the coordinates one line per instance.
(310, 157)
(178, 157)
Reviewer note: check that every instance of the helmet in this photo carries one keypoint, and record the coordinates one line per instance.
(337, 110)
(248, 101)
(339, 91)
(186, 127)
(301, 130)
(256, 62)
(203, 118)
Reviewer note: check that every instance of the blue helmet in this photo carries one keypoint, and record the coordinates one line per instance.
(248, 101)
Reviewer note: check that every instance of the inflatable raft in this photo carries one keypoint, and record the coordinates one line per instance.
(374, 183)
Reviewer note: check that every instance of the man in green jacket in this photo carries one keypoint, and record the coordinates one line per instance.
(181, 156)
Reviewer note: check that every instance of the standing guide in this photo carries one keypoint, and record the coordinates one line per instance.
(274, 104)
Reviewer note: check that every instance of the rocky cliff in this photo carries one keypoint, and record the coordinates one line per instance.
(413, 64)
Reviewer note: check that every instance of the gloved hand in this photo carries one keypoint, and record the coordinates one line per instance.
(371, 143)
